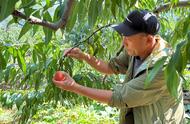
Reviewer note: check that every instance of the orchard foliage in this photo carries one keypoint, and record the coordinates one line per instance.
(29, 59)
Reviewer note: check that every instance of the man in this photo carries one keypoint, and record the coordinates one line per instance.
(142, 48)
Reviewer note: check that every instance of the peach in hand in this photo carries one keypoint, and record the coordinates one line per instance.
(59, 76)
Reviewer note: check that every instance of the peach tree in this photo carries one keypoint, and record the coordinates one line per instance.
(32, 54)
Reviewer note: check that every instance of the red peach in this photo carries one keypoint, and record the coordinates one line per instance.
(59, 76)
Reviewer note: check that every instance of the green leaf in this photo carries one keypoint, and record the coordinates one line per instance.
(180, 60)
(1, 76)
(28, 11)
(24, 48)
(39, 48)
(27, 3)
(127, 2)
(14, 54)
(38, 77)
(12, 75)
(31, 96)
(21, 61)
(25, 28)
(107, 4)
(34, 56)
(35, 29)
(113, 8)
(172, 78)
(7, 73)
(118, 2)
(72, 19)
(19, 100)
(68, 63)
(10, 50)
(7, 56)
(47, 16)
(188, 47)
(3, 63)
(186, 25)
(33, 68)
(93, 13)
(48, 3)
(57, 14)
(150, 75)
(100, 6)
(47, 31)
(90, 49)
(4, 96)
(6, 8)
(9, 102)
(13, 20)
(132, 3)
(82, 9)
(181, 28)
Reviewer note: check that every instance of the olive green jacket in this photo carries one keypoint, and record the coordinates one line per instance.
(140, 105)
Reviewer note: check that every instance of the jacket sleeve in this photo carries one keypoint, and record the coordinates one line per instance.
(134, 94)
(120, 63)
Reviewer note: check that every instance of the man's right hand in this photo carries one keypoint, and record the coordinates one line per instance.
(74, 53)
(99, 65)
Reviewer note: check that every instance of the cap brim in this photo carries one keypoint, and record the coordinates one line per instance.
(124, 29)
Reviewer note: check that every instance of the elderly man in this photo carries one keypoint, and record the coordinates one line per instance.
(142, 48)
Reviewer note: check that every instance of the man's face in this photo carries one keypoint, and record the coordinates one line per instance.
(135, 45)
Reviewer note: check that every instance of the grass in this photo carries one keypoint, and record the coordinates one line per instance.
(6, 115)
(78, 114)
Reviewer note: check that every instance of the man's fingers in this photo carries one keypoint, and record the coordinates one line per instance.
(72, 51)
(56, 82)
(66, 52)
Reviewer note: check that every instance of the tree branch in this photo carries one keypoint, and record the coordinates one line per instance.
(55, 26)
(80, 42)
(167, 6)
(60, 61)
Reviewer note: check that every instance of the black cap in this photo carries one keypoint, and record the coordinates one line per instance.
(138, 21)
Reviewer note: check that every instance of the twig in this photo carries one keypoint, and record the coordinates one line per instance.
(86, 38)
(104, 78)
(167, 6)
(54, 26)
(79, 43)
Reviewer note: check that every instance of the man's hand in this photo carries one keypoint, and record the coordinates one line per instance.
(69, 84)
(66, 84)
(74, 53)
(99, 65)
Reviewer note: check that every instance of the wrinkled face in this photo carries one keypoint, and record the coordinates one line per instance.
(136, 45)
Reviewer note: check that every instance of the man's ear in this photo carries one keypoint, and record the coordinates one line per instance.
(150, 39)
